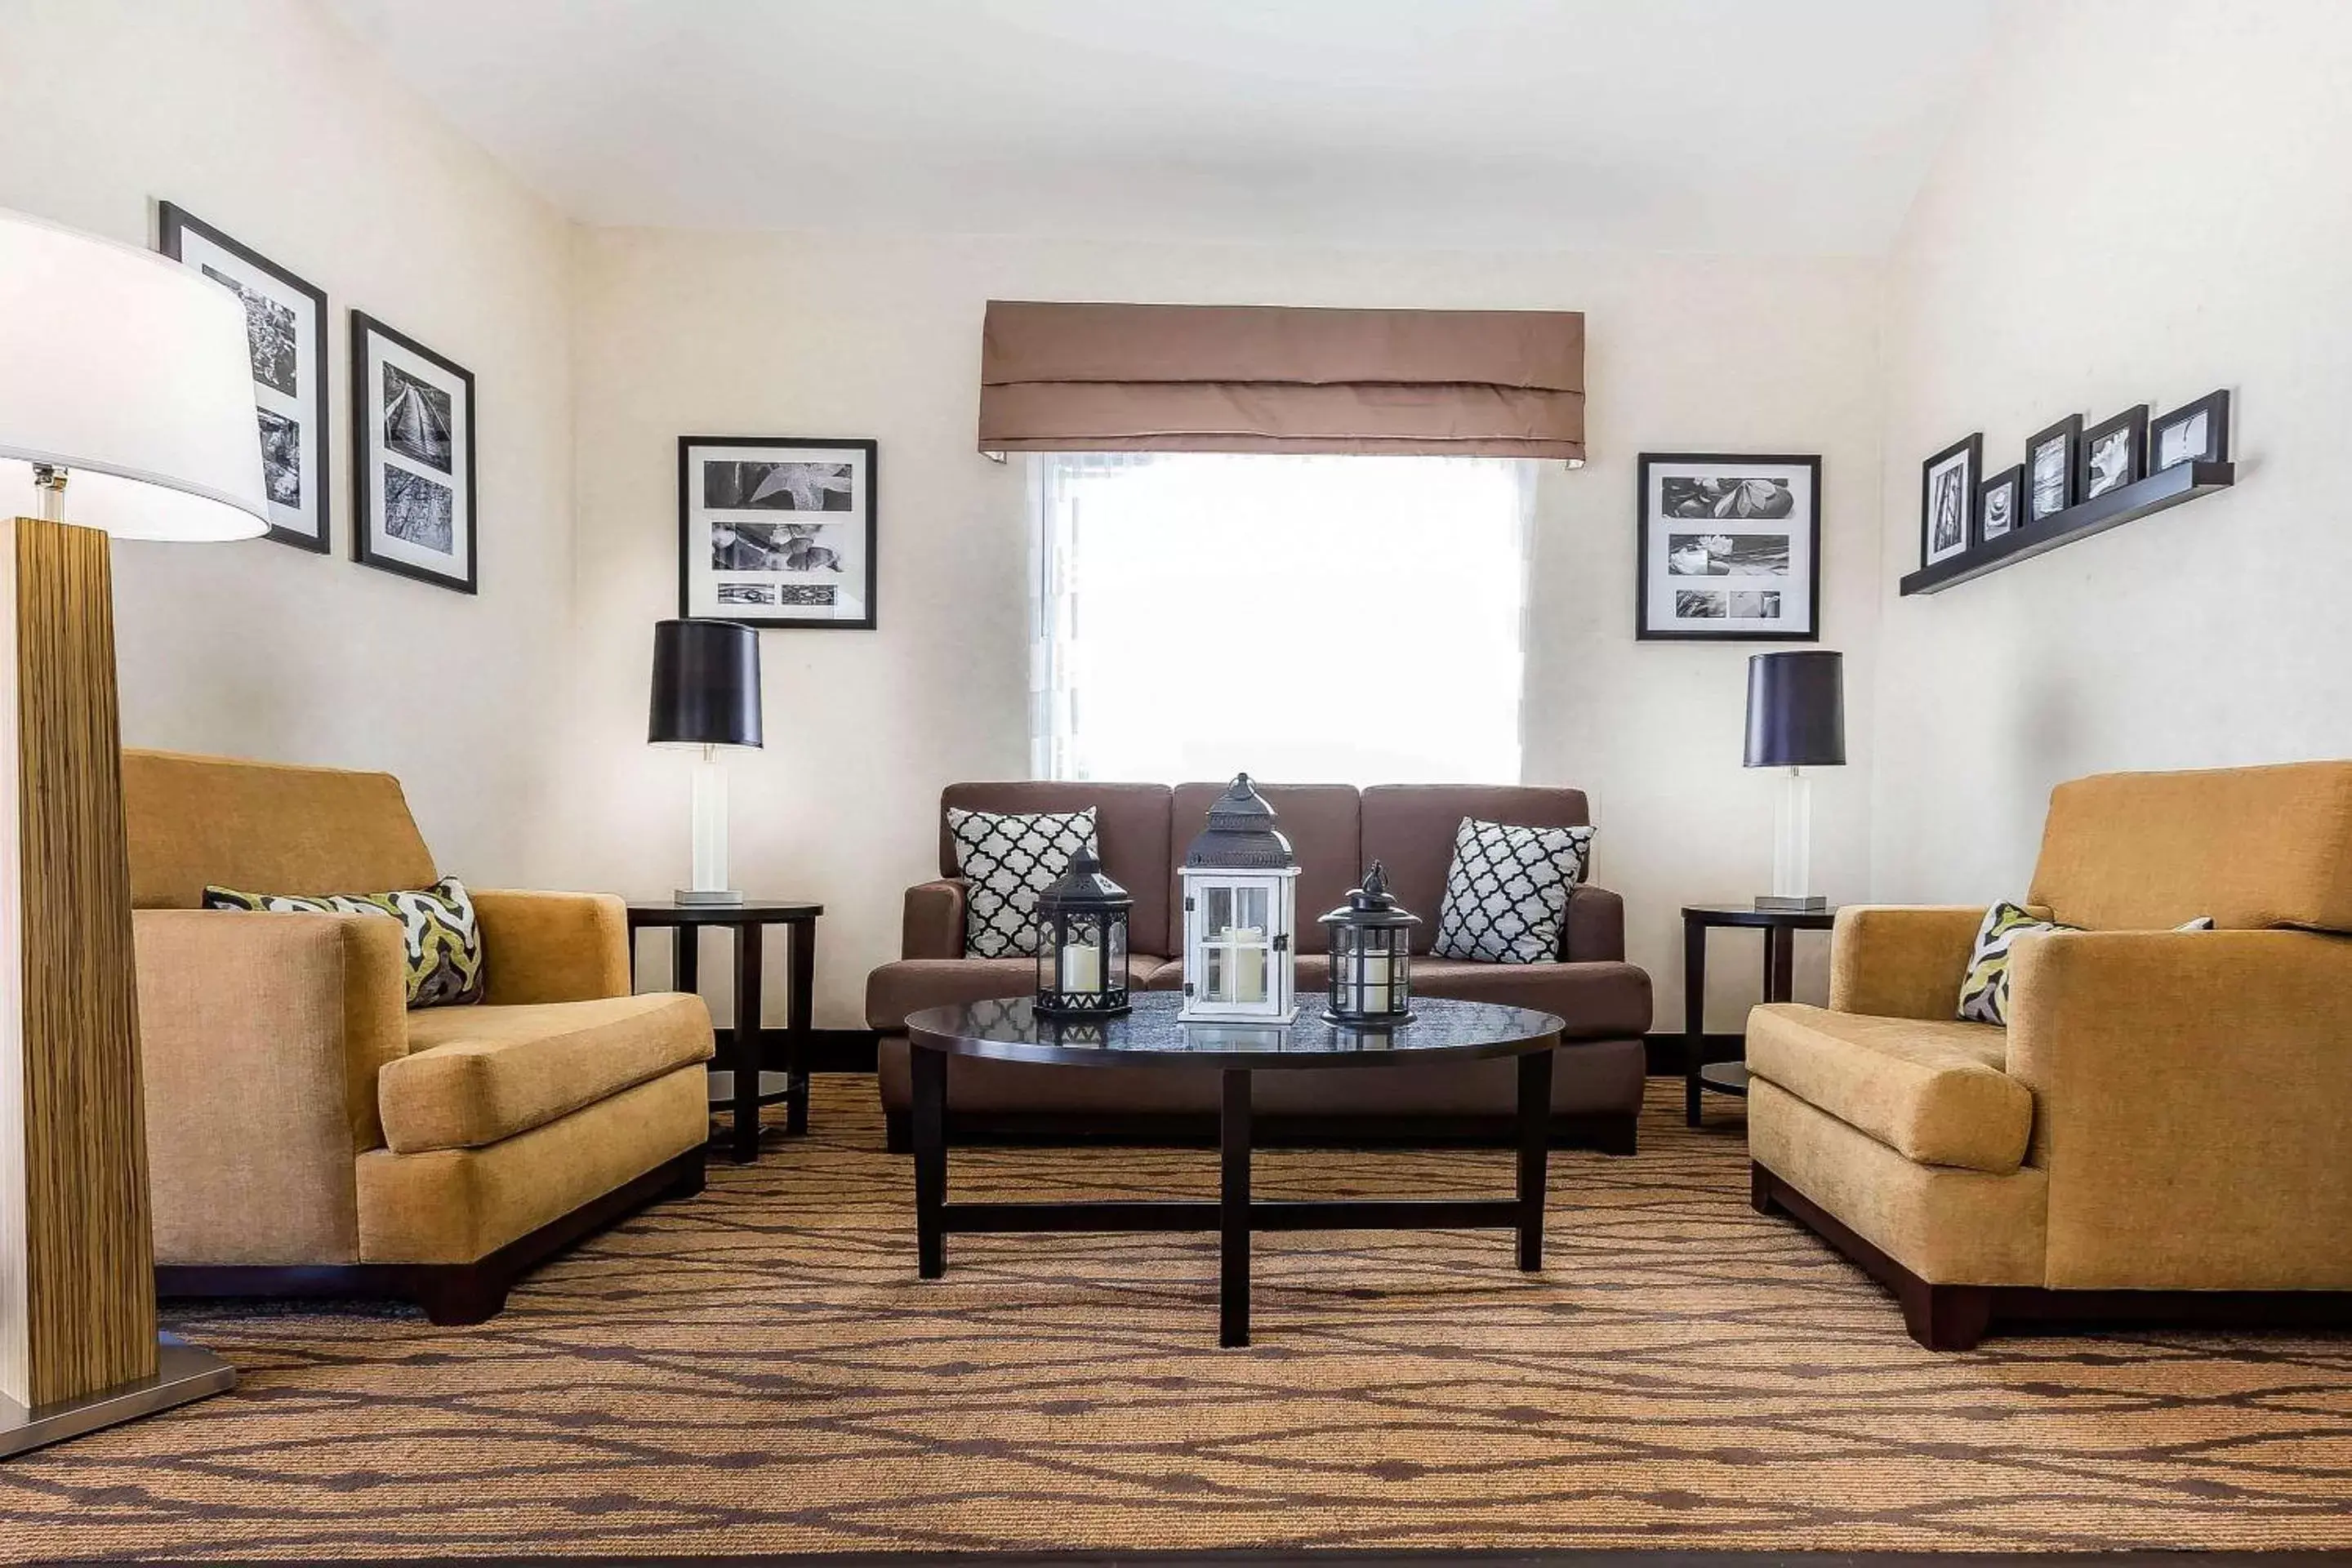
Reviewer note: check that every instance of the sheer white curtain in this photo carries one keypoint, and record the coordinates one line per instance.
(1341, 619)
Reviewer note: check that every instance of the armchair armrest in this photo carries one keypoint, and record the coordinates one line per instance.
(1595, 927)
(1894, 960)
(260, 1037)
(933, 924)
(2190, 1092)
(553, 947)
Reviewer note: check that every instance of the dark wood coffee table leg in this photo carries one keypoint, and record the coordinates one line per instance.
(1535, 1152)
(797, 1027)
(1233, 1211)
(930, 1071)
(746, 1053)
(1694, 1015)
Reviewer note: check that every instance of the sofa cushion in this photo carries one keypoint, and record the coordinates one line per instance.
(1007, 859)
(1409, 828)
(1593, 1001)
(1323, 825)
(911, 984)
(1130, 834)
(1506, 891)
(1931, 1089)
(475, 1075)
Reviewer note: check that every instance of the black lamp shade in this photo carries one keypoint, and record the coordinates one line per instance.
(706, 684)
(1795, 709)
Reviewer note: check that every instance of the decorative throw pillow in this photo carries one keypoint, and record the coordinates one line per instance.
(1984, 993)
(445, 944)
(1506, 891)
(1009, 858)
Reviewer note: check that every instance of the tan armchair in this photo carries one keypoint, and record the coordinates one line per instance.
(307, 1134)
(2159, 1132)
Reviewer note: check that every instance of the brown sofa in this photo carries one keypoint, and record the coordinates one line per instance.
(1335, 830)
(2157, 1133)
(307, 1134)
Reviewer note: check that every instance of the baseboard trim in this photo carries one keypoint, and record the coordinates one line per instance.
(830, 1050)
(450, 1293)
(1664, 1051)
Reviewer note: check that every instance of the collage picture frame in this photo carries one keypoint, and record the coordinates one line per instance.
(778, 531)
(1729, 548)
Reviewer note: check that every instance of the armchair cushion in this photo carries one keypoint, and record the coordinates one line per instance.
(476, 1075)
(1932, 1090)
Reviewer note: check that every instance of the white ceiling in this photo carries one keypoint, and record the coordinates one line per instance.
(1723, 125)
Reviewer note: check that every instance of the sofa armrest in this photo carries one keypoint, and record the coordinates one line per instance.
(932, 926)
(1595, 928)
(2190, 1092)
(260, 1037)
(553, 947)
(1894, 960)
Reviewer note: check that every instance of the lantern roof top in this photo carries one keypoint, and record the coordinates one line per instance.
(1241, 835)
(1371, 904)
(1083, 886)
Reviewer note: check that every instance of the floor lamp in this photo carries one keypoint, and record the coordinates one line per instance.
(126, 398)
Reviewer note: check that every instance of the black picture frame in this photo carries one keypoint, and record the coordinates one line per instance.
(275, 410)
(861, 459)
(2098, 441)
(2041, 500)
(2214, 409)
(1969, 453)
(1657, 610)
(375, 461)
(2000, 504)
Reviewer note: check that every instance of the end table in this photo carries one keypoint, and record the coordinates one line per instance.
(1779, 927)
(747, 920)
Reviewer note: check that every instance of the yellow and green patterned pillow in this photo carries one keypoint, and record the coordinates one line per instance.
(1984, 994)
(445, 943)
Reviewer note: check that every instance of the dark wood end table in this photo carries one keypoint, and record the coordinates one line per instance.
(747, 919)
(1009, 1030)
(1779, 927)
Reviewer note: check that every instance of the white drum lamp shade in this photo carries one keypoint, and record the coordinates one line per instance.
(132, 374)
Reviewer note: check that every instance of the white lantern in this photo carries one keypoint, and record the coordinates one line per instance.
(1240, 915)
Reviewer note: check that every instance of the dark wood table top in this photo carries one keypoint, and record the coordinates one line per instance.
(1749, 915)
(1010, 1029)
(762, 911)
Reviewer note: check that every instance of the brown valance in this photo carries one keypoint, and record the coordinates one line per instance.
(1270, 378)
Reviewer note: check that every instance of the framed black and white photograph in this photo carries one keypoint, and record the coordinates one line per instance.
(2050, 460)
(2196, 432)
(1730, 548)
(2001, 503)
(413, 435)
(1947, 494)
(285, 331)
(2115, 453)
(776, 530)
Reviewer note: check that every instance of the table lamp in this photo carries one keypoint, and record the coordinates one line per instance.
(1796, 719)
(126, 398)
(706, 695)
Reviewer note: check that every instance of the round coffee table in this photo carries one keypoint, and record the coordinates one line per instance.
(1010, 1030)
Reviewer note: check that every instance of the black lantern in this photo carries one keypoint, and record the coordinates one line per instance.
(1082, 942)
(1372, 951)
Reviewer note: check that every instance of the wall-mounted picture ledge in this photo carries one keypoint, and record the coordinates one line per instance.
(2111, 508)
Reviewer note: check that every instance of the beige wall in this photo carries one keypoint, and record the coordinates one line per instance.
(2143, 202)
(804, 335)
(264, 119)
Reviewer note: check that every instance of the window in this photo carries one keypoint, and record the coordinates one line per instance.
(1341, 619)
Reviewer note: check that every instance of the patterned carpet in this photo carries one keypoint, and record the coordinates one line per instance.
(759, 1371)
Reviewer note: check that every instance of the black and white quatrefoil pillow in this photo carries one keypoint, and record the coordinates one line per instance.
(1009, 858)
(1506, 892)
